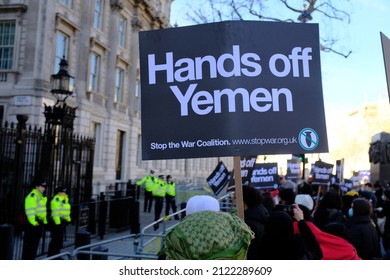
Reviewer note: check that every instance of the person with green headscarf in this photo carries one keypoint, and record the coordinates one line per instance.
(208, 235)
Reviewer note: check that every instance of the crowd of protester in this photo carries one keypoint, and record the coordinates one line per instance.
(351, 224)
(307, 222)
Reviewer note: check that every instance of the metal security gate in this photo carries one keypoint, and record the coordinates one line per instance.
(54, 154)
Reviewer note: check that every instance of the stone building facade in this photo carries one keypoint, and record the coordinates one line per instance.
(99, 39)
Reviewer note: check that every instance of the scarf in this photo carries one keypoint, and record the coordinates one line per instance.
(208, 235)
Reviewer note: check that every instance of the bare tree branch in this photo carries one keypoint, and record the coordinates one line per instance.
(219, 10)
(325, 49)
(333, 13)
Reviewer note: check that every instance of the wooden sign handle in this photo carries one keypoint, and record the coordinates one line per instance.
(238, 187)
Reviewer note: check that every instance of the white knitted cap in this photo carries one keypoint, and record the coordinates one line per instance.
(201, 203)
(305, 199)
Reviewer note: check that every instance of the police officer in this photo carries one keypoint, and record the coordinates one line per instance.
(170, 197)
(149, 182)
(36, 213)
(60, 216)
(159, 191)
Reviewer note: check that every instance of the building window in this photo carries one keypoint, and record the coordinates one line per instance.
(118, 98)
(120, 141)
(98, 14)
(7, 44)
(67, 3)
(96, 129)
(93, 84)
(122, 31)
(62, 49)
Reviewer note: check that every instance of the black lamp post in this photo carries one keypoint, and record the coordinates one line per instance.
(62, 84)
(57, 153)
(305, 16)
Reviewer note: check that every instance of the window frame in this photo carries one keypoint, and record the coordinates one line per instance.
(98, 13)
(120, 154)
(64, 52)
(96, 132)
(119, 85)
(67, 3)
(94, 72)
(122, 31)
(9, 61)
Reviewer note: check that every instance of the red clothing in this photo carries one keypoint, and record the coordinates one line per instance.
(332, 246)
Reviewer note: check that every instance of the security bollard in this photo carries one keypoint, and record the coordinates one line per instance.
(83, 238)
(100, 249)
(183, 205)
(6, 242)
(134, 217)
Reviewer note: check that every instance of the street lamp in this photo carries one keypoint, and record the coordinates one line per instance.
(57, 151)
(62, 84)
(305, 16)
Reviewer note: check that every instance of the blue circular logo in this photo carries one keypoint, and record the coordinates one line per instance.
(308, 139)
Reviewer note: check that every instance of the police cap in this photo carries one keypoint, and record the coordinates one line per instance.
(61, 189)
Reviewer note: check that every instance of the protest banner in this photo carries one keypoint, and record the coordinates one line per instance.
(322, 173)
(246, 166)
(231, 94)
(219, 178)
(293, 170)
(265, 176)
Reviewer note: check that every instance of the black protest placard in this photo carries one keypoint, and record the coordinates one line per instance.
(219, 178)
(322, 173)
(229, 94)
(386, 58)
(293, 169)
(339, 171)
(346, 185)
(265, 176)
(246, 164)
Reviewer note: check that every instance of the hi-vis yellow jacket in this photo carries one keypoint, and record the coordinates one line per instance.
(149, 182)
(160, 188)
(35, 207)
(60, 209)
(171, 188)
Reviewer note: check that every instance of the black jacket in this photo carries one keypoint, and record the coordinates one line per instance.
(280, 242)
(385, 213)
(324, 216)
(255, 218)
(364, 237)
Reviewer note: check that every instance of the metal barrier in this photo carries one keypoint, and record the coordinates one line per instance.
(155, 242)
(60, 256)
(143, 246)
